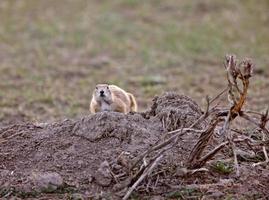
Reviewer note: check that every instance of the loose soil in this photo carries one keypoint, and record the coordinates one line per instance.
(89, 158)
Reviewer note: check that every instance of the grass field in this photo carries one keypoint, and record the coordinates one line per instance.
(52, 53)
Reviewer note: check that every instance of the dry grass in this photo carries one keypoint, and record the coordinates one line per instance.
(53, 52)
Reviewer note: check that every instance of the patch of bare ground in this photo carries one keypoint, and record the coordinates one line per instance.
(173, 150)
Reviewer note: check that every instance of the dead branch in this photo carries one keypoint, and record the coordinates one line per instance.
(203, 186)
(210, 155)
(159, 154)
(243, 72)
(141, 178)
(238, 76)
(201, 144)
(236, 165)
(177, 133)
(262, 128)
(252, 112)
(263, 121)
(218, 95)
(250, 119)
(236, 97)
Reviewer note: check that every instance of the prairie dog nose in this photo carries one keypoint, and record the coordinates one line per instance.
(102, 92)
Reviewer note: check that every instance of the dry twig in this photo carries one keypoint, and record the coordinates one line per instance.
(238, 76)
(200, 146)
(236, 97)
(263, 122)
(141, 178)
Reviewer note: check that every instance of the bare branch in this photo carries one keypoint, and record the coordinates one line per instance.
(211, 154)
(141, 178)
(234, 73)
(219, 95)
(177, 134)
(201, 144)
(263, 121)
(235, 158)
(248, 118)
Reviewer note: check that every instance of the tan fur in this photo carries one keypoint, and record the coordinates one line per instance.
(114, 99)
(133, 102)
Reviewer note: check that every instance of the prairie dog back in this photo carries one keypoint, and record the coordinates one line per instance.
(117, 92)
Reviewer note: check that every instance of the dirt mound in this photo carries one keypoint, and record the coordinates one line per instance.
(175, 110)
(90, 157)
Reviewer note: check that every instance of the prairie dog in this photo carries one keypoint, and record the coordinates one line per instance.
(112, 98)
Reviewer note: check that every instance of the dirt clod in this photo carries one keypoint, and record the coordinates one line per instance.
(46, 181)
(103, 176)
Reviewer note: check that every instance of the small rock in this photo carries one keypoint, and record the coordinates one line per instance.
(4, 173)
(77, 196)
(245, 155)
(157, 198)
(47, 181)
(181, 171)
(122, 184)
(15, 198)
(226, 181)
(124, 159)
(116, 167)
(102, 175)
(80, 162)
(215, 194)
(104, 196)
(90, 179)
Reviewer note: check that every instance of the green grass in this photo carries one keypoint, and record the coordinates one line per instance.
(185, 193)
(223, 168)
(47, 50)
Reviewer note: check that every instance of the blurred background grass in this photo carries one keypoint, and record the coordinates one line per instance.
(52, 53)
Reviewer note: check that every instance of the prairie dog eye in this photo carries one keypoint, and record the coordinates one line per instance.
(96, 88)
(107, 87)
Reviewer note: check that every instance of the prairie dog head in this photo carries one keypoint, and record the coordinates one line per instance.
(102, 93)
